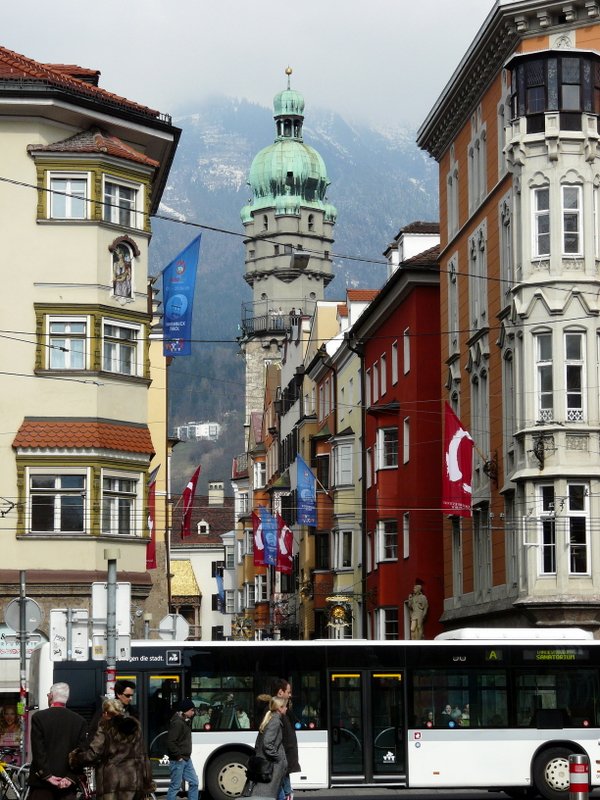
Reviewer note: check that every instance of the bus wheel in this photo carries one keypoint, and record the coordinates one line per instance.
(226, 775)
(551, 773)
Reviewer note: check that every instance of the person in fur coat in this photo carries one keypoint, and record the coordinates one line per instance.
(117, 752)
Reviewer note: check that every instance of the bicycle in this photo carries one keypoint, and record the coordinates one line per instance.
(13, 781)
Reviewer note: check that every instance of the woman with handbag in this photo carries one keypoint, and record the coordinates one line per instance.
(266, 769)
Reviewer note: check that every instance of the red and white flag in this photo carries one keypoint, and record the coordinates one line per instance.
(151, 546)
(457, 490)
(259, 544)
(188, 501)
(285, 546)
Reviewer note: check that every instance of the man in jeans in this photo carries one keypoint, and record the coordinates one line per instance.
(179, 745)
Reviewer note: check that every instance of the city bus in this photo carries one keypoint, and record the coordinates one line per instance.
(489, 709)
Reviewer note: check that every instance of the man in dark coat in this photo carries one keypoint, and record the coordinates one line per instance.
(55, 731)
(124, 691)
(281, 688)
(179, 747)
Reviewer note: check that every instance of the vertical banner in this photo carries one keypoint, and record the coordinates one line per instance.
(259, 546)
(457, 476)
(269, 536)
(220, 592)
(306, 486)
(188, 501)
(285, 547)
(151, 546)
(178, 283)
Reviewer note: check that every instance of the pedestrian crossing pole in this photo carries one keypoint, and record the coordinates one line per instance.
(111, 556)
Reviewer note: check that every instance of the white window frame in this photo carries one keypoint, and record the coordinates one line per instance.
(388, 624)
(248, 541)
(343, 464)
(229, 557)
(385, 450)
(250, 595)
(574, 367)
(406, 440)
(571, 220)
(383, 374)
(368, 388)
(387, 540)
(58, 472)
(547, 539)
(453, 314)
(134, 343)
(375, 387)
(69, 195)
(452, 186)
(544, 368)
(406, 534)
(540, 218)
(118, 494)
(261, 589)
(229, 601)
(369, 467)
(577, 515)
(394, 362)
(66, 337)
(260, 474)
(507, 266)
(112, 211)
(406, 350)
(342, 549)
(478, 277)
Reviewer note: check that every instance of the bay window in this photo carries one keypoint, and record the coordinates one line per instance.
(67, 342)
(119, 496)
(545, 385)
(578, 527)
(119, 204)
(57, 502)
(68, 197)
(121, 348)
(541, 222)
(574, 365)
(571, 221)
(342, 465)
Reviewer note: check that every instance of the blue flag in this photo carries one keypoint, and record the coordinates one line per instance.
(179, 281)
(220, 593)
(306, 485)
(269, 536)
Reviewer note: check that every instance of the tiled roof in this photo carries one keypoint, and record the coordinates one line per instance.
(16, 67)
(75, 71)
(421, 227)
(342, 310)
(84, 434)
(425, 259)
(362, 295)
(94, 141)
(220, 519)
(183, 582)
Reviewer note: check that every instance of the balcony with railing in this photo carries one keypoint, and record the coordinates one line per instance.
(264, 316)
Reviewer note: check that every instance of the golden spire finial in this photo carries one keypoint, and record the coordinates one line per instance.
(288, 72)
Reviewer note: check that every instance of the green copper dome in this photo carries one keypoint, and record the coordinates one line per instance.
(288, 174)
(289, 101)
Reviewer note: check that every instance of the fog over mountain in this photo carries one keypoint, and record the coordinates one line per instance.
(380, 181)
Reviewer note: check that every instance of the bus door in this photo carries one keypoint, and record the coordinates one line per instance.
(156, 695)
(366, 726)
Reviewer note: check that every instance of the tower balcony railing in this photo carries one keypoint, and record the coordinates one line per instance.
(267, 317)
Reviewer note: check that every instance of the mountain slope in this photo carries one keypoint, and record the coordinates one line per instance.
(380, 181)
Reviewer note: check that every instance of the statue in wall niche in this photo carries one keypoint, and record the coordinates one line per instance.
(418, 606)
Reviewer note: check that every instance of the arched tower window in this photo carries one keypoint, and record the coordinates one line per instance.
(311, 222)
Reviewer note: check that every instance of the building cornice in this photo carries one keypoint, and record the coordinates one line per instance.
(505, 26)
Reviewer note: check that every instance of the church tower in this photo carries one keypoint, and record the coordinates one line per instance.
(289, 227)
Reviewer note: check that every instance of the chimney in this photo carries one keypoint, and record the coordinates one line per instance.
(216, 493)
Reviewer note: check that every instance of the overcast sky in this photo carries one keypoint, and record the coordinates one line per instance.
(384, 61)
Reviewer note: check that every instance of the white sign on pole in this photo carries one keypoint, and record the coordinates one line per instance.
(79, 634)
(123, 608)
(99, 648)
